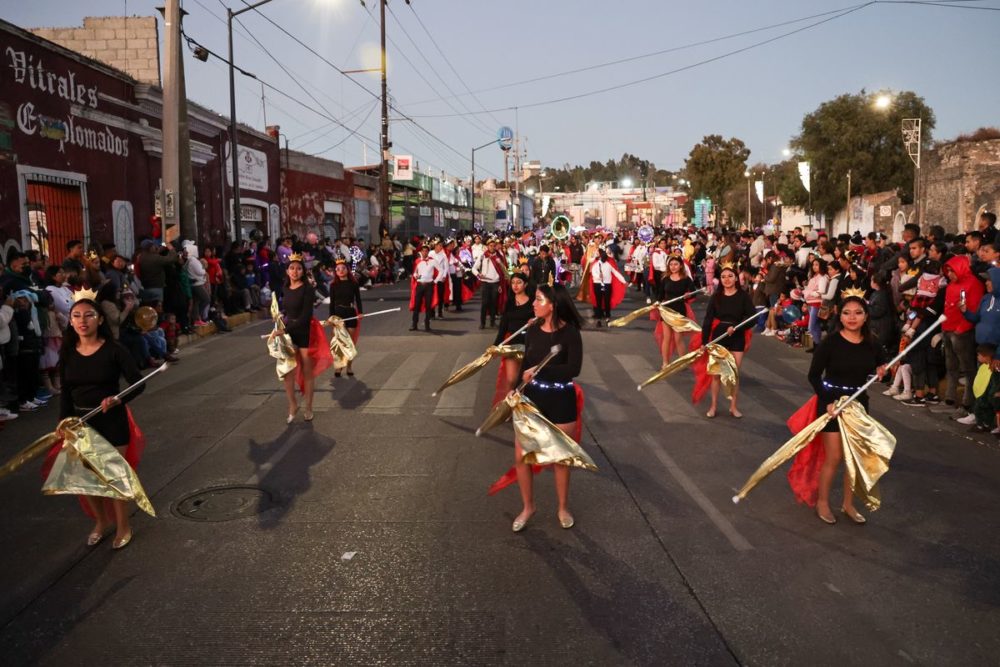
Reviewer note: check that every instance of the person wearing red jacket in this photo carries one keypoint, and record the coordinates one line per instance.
(964, 288)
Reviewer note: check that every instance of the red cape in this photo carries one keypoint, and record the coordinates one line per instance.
(702, 380)
(618, 288)
(133, 454)
(510, 476)
(803, 476)
(413, 291)
(318, 351)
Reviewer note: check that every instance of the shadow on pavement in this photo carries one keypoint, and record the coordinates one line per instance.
(282, 467)
(611, 595)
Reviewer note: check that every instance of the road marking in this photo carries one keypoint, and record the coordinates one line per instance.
(665, 398)
(605, 410)
(739, 542)
(269, 464)
(460, 401)
(391, 397)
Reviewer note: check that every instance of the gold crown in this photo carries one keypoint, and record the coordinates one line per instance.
(340, 260)
(295, 257)
(727, 265)
(85, 294)
(92, 255)
(855, 292)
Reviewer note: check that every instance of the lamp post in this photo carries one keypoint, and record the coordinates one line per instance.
(233, 152)
(746, 175)
(472, 202)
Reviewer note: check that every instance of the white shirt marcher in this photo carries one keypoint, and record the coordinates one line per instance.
(440, 261)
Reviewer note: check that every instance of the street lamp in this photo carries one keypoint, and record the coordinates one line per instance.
(746, 175)
(233, 156)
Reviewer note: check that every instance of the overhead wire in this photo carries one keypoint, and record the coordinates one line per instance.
(450, 66)
(706, 61)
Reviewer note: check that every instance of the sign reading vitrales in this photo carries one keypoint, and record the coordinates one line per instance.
(404, 167)
(702, 208)
(505, 137)
(252, 165)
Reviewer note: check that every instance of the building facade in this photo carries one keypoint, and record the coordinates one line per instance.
(80, 150)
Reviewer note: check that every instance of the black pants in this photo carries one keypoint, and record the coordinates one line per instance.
(658, 285)
(442, 289)
(424, 297)
(456, 291)
(491, 295)
(27, 375)
(602, 293)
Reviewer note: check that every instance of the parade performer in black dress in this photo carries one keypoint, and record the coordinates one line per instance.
(842, 363)
(552, 389)
(312, 354)
(517, 312)
(727, 308)
(675, 284)
(92, 364)
(345, 302)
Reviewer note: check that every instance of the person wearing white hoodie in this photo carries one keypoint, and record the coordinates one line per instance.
(199, 283)
(6, 315)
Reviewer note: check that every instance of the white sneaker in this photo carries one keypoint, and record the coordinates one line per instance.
(967, 420)
(995, 431)
(27, 406)
(903, 396)
(891, 391)
(6, 415)
(767, 332)
(961, 381)
(648, 301)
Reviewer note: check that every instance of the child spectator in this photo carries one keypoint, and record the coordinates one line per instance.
(171, 331)
(986, 390)
(902, 383)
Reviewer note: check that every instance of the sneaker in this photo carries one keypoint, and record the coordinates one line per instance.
(767, 332)
(967, 420)
(932, 399)
(903, 396)
(978, 428)
(7, 415)
(27, 406)
(648, 301)
(891, 391)
(915, 402)
(961, 381)
(200, 323)
(43, 394)
(40, 401)
(995, 431)
(959, 414)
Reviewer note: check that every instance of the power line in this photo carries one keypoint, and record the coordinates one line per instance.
(652, 54)
(420, 52)
(450, 66)
(677, 70)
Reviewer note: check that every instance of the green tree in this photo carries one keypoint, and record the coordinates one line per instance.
(715, 167)
(848, 133)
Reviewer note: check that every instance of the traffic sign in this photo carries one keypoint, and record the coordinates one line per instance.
(505, 137)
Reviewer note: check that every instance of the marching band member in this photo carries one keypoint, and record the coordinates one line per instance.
(728, 307)
(658, 267)
(574, 260)
(552, 389)
(441, 278)
(92, 364)
(312, 355)
(600, 276)
(456, 272)
(842, 363)
(675, 283)
(422, 291)
(515, 315)
(490, 270)
(345, 302)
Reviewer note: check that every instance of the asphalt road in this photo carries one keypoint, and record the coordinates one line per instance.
(373, 540)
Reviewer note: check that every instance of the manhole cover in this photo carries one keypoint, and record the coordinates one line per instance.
(224, 503)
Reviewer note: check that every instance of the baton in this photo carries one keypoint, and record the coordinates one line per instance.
(127, 390)
(518, 332)
(377, 312)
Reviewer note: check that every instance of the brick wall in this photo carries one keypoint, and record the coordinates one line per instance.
(956, 180)
(130, 44)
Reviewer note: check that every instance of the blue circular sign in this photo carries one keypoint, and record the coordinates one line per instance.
(505, 137)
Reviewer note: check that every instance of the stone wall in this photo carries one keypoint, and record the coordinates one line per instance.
(129, 44)
(958, 179)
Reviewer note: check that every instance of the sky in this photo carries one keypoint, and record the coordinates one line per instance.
(703, 80)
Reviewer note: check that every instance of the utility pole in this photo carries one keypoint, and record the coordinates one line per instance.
(176, 192)
(384, 181)
(848, 230)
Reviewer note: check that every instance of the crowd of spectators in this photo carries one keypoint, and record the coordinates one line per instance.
(151, 298)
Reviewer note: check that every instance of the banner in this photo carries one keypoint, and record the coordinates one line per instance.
(759, 187)
(404, 168)
(804, 175)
